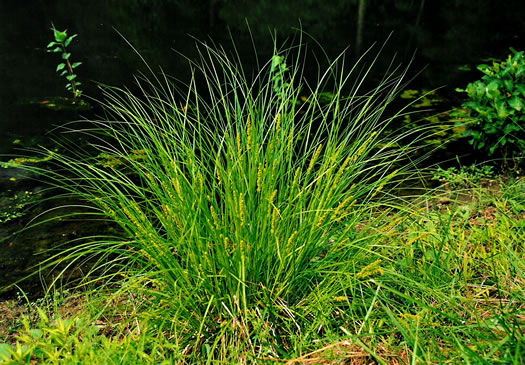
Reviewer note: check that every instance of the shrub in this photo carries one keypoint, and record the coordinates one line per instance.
(495, 104)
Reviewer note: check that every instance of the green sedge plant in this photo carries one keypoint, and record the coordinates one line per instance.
(447, 287)
(241, 211)
(496, 105)
(66, 67)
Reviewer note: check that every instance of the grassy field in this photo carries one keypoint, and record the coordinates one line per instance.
(262, 221)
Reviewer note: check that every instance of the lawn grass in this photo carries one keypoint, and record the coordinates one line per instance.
(258, 225)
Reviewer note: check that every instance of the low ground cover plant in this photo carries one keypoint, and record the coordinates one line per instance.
(464, 176)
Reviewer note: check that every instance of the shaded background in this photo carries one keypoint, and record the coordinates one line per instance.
(448, 36)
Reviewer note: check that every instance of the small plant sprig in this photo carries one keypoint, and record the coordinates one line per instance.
(464, 177)
(59, 45)
(278, 72)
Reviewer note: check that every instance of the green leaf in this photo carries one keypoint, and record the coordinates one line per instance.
(71, 77)
(61, 66)
(478, 90)
(516, 103)
(510, 128)
(66, 55)
(68, 41)
(509, 85)
(276, 61)
(5, 351)
(63, 73)
(36, 333)
(76, 64)
(44, 319)
(77, 83)
(492, 89)
(55, 50)
(60, 36)
(521, 89)
(51, 44)
(486, 69)
(502, 111)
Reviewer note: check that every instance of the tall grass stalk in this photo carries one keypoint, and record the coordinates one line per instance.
(242, 207)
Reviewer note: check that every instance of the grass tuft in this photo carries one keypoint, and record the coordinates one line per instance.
(258, 221)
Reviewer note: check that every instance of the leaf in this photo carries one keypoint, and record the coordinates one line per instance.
(516, 103)
(521, 89)
(61, 66)
(492, 92)
(71, 77)
(68, 41)
(276, 61)
(36, 333)
(486, 69)
(77, 83)
(479, 89)
(510, 128)
(5, 351)
(51, 44)
(502, 111)
(60, 36)
(76, 64)
(55, 50)
(63, 73)
(66, 55)
(509, 85)
(44, 319)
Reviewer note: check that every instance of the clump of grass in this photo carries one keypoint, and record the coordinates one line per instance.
(243, 211)
(438, 285)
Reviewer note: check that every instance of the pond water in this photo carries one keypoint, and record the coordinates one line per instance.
(451, 37)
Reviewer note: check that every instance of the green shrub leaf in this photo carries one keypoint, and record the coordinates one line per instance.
(516, 103)
(486, 69)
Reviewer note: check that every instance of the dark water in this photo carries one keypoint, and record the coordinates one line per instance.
(448, 37)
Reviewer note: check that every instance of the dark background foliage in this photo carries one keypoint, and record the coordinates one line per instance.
(444, 35)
